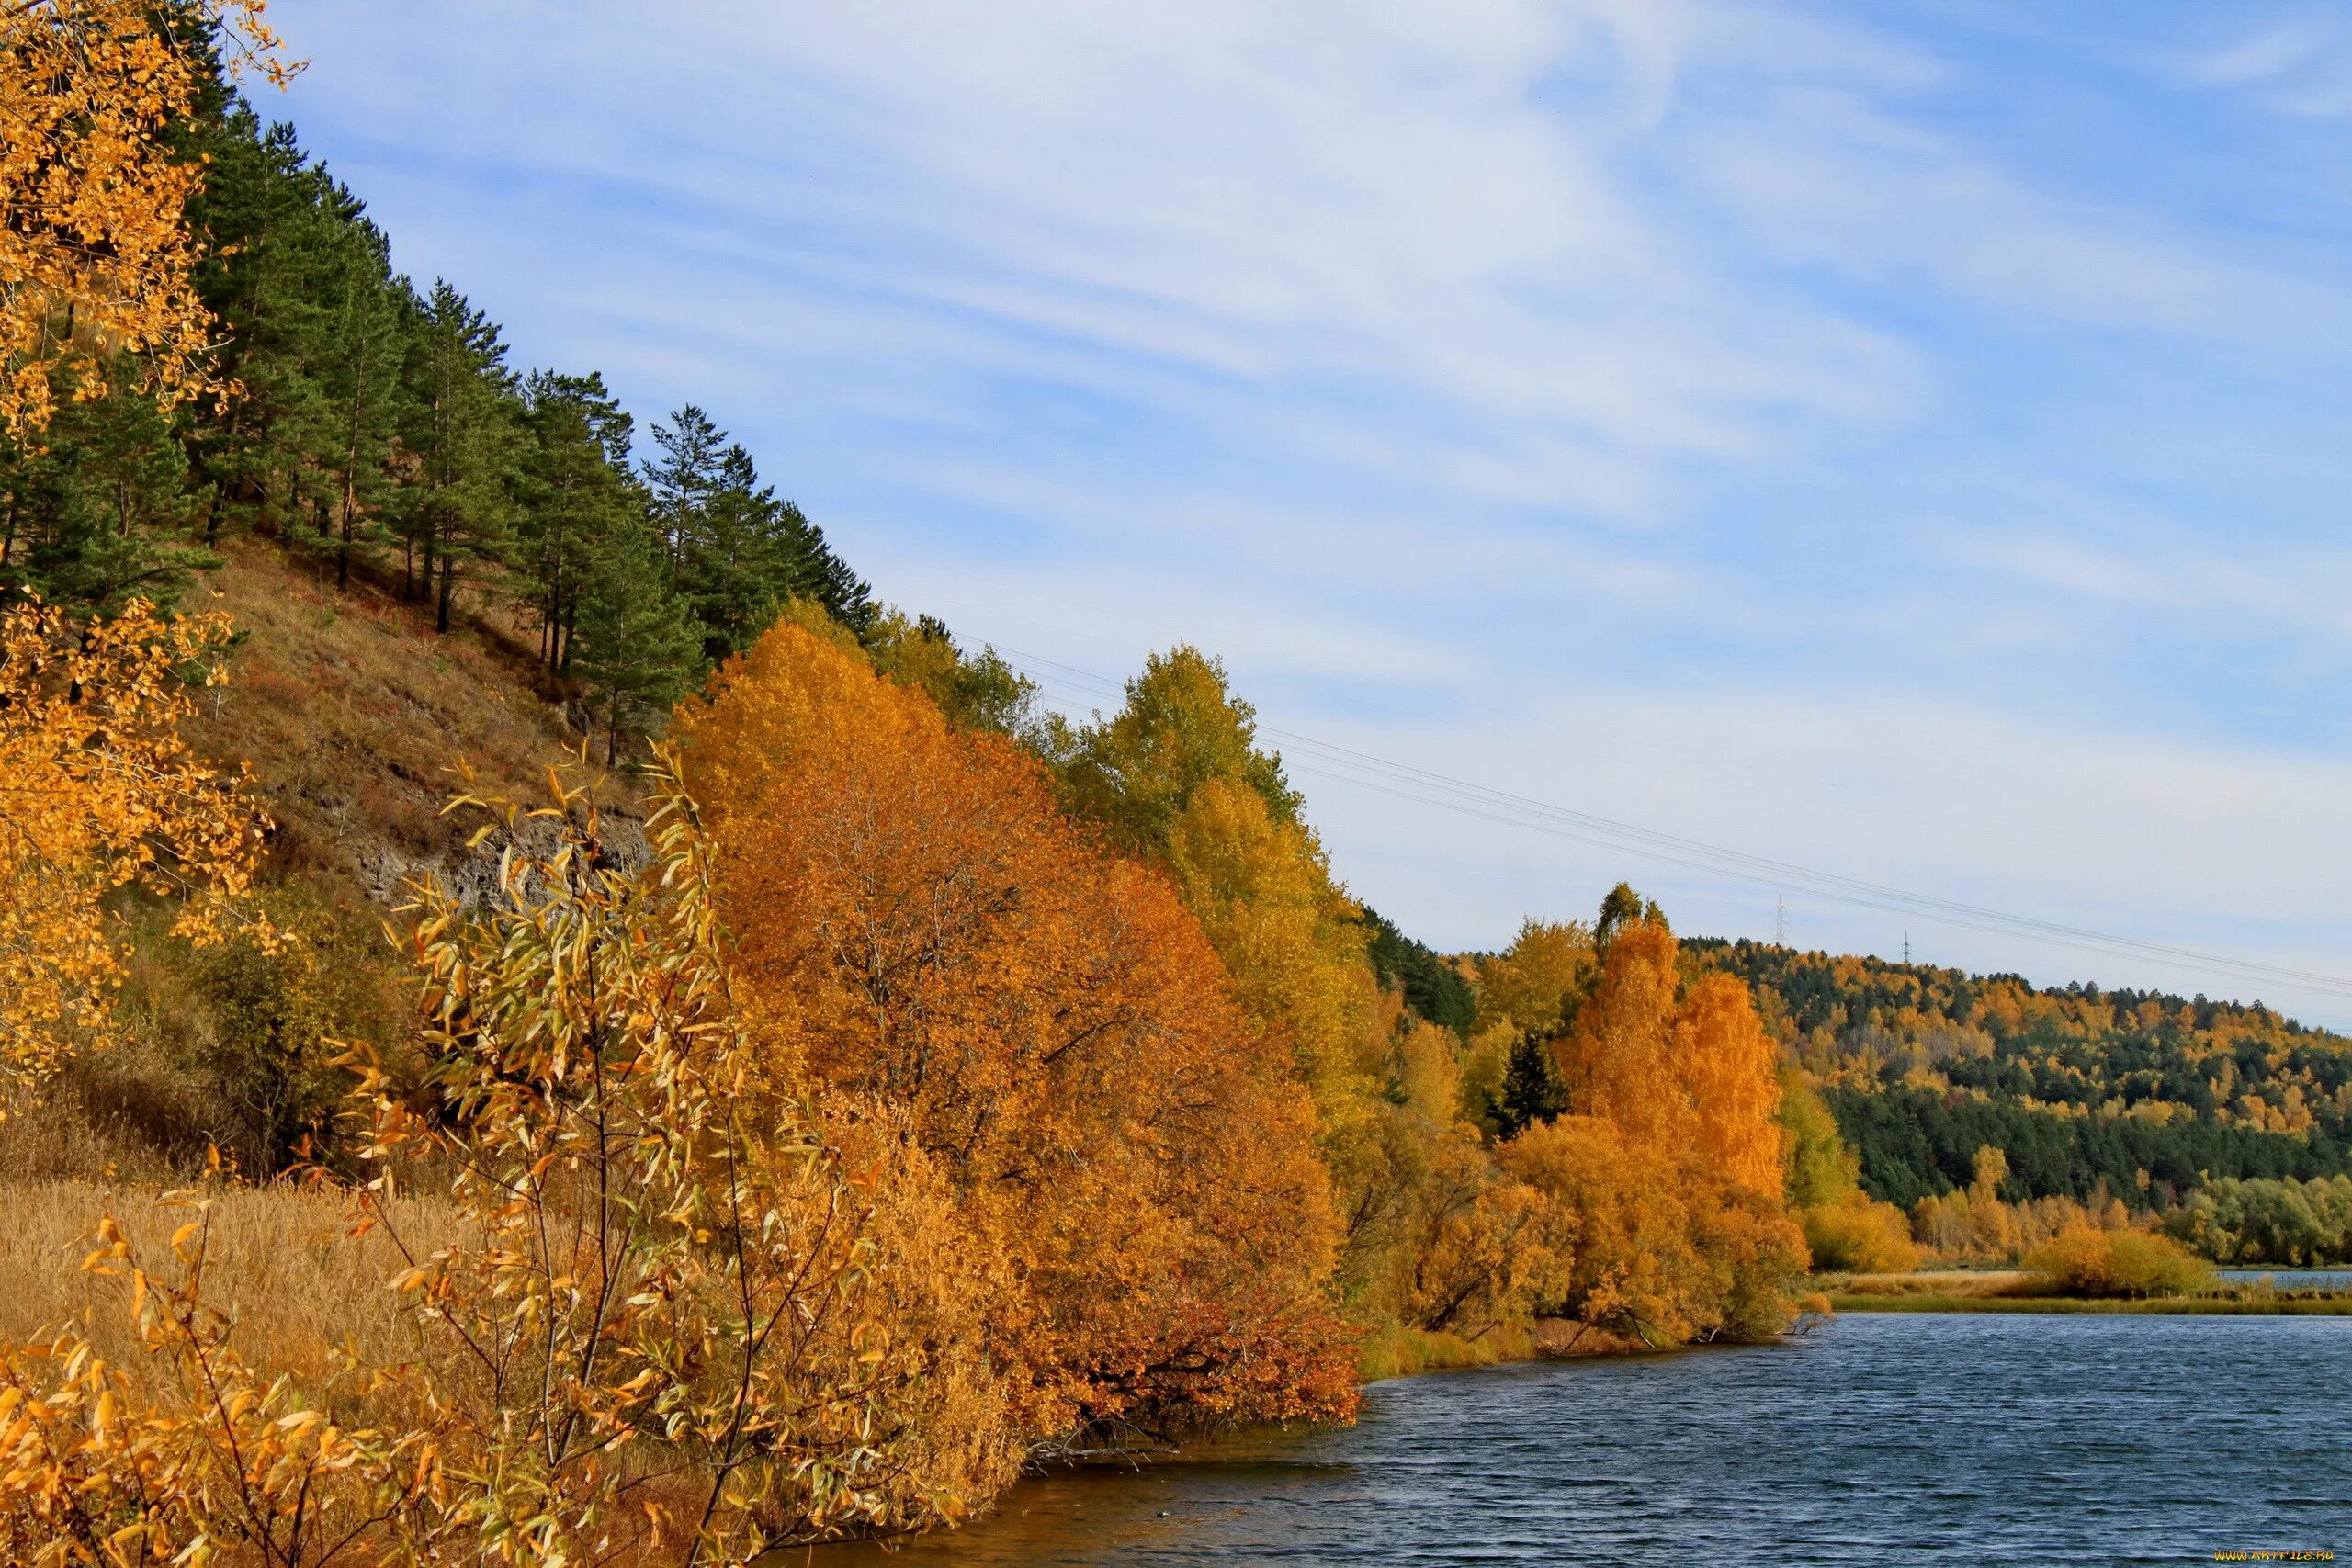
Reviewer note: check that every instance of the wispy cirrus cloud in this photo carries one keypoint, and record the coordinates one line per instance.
(1763, 420)
(2297, 62)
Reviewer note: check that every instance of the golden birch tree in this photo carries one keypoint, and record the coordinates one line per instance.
(95, 249)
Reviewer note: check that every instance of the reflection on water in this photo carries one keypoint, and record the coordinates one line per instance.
(1959, 1438)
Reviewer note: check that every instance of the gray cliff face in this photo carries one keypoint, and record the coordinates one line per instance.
(472, 873)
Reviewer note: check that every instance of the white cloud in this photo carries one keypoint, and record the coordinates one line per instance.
(2281, 592)
(2204, 847)
(1379, 194)
(1827, 179)
(1562, 371)
(2297, 65)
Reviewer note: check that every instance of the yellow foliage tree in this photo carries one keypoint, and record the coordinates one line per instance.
(1181, 726)
(1665, 1250)
(1176, 776)
(95, 252)
(1618, 1063)
(1489, 1249)
(1429, 1073)
(98, 793)
(1730, 1068)
(1290, 939)
(1536, 982)
(1857, 1235)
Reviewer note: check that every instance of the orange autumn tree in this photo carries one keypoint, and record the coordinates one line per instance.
(98, 793)
(927, 940)
(1667, 1170)
(95, 251)
(1730, 1068)
(1672, 1067)
(1618, 1063)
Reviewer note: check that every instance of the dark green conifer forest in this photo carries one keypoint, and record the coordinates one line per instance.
(378, 428)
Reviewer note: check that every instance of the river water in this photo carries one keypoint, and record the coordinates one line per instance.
(1896, 1438)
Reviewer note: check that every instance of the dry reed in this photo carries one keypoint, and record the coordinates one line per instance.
(303, 1294)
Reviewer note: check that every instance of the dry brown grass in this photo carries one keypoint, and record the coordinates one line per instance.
(1937, 1282)
(351, 711)
(92, 1125)
(279, 1261)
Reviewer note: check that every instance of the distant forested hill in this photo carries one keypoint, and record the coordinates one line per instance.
(2149, 1094)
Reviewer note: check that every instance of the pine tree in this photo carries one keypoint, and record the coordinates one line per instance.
(464, 431)
(737, 569)
(580, 500)
(636, 643)
(683, 481)
(1531, 1090)
(271, 255)
(364, 346)
(95, 510)
(824, 575)
(738, 553)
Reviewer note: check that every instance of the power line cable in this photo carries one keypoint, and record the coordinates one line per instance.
(1423, 786)
(2092, 942)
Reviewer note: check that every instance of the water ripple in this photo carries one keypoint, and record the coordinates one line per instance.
(1896, 1438)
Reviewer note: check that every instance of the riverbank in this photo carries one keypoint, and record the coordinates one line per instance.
(2338, 1305)
(1400, 1352)
(2013, 1290)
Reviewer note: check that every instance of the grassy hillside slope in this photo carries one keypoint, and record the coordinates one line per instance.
(352, 713)
(352, 716)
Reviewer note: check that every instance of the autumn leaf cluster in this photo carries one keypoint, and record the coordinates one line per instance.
(100, 796)
(96, 260)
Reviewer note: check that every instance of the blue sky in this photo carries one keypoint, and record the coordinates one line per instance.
(1905, 439)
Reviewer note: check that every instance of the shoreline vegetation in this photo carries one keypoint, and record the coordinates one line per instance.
(2028, 1288)
(2023, 1291)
